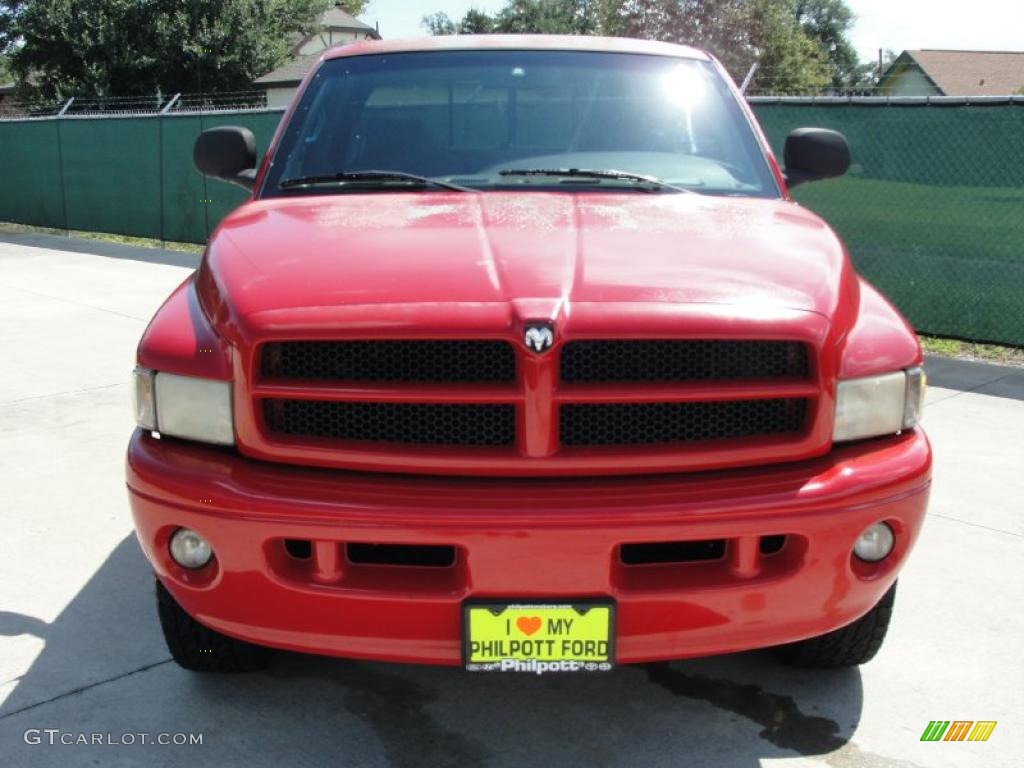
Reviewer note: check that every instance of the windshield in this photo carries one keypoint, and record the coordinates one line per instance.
(517, 119)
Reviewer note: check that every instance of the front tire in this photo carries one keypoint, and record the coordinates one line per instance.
(201, 649)
(848, 646)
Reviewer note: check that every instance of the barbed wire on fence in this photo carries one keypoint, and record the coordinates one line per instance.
(126, 106)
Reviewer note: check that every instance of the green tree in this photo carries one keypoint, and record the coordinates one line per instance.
(440, 24)
(800, 45)
(571, 17)
(354, 7)
(829, 22)
(727, 28)
(9, 10)
(475, 22)
(139, 47)
(738, 33)
(789, 60)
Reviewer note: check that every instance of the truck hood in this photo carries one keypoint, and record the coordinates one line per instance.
(544, 251)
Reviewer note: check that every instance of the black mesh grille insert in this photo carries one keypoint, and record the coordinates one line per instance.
(415, 423)
(672, 552)
(433, 555)
(684, 360)
(400, 360)
(646, 423)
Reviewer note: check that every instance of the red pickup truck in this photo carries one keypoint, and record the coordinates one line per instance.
(520, 357)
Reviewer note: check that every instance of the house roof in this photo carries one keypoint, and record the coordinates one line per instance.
(291, 72)
(335, 18)
(6, 88)
(971, 73)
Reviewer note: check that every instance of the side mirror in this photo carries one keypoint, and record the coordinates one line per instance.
(227, 153)
(815, 153)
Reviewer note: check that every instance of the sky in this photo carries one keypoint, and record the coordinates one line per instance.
(990, 25)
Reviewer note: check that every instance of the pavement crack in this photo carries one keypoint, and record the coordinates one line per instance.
(83, 688)
(62, 394)
(73, 302)
(975, 525)
(966, 391)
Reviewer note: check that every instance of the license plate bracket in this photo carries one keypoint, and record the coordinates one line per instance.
(538, 636)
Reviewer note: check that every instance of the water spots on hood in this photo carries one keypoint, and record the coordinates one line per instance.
(373, 216)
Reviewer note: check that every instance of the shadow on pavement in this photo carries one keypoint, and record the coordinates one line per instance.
(975, 376)
(104, 668)
(102, 248)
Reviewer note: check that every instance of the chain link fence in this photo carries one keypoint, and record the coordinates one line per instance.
(932, 209)
(127, 173)
(112, 106)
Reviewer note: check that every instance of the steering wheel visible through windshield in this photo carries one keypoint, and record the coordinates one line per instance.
(498, 119)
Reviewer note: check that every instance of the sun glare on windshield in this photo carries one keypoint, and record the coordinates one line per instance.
(683, 86)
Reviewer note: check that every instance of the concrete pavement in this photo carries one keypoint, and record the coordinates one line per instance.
(80, 649)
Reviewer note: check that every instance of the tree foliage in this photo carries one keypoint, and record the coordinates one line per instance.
(354, 7)
(828, 22)
(440, 23)
(800, 45)
(139, 47)
(573, 17)
(9, 10)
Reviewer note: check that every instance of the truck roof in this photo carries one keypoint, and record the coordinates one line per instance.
(517, 43)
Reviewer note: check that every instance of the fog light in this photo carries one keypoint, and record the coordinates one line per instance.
(875, 543)
(189, 549)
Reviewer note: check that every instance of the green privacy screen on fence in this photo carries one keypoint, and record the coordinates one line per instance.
(126, 175)
(932, 209)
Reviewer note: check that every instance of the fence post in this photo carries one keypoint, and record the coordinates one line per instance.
(160, 174)
(748, 78)
(206, 193)
(160, 130)
(60, 163)
(170, 104)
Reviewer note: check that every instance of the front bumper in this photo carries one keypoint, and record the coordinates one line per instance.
(526, 539)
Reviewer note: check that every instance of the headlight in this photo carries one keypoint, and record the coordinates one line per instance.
(184, 406)
(878, 405)
(143, 398)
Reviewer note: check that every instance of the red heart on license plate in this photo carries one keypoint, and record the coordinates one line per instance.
(528, 624)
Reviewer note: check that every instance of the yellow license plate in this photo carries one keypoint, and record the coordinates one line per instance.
(526, 637)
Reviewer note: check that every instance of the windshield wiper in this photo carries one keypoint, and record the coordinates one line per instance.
(357, 176)
(653, 182)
